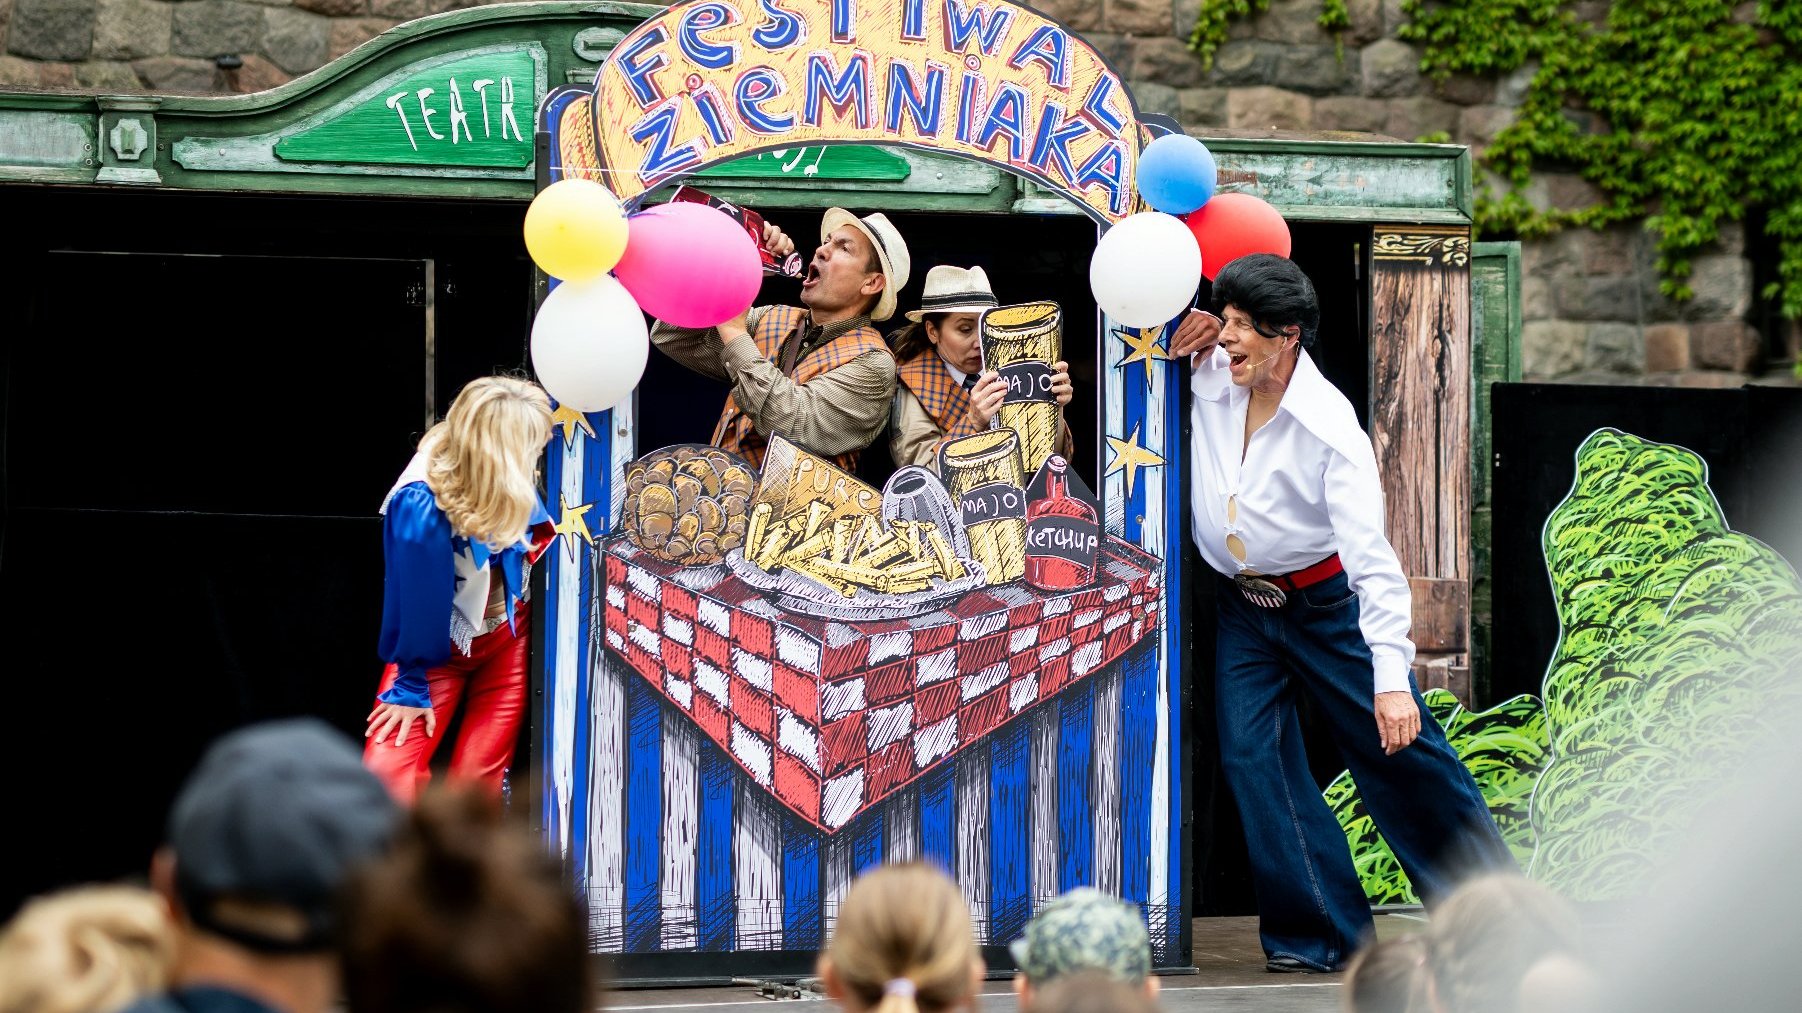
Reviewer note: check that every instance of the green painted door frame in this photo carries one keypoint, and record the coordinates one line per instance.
(1495, 358)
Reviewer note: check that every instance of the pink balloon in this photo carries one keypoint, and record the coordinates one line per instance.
(690, 265)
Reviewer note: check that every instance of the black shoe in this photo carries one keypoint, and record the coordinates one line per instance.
(1290, 965)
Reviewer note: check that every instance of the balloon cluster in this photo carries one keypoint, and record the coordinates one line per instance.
(684, 263)
(1147, 267)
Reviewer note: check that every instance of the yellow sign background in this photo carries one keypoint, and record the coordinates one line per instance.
(713, 80)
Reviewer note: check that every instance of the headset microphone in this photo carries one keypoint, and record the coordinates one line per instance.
(1267, 358)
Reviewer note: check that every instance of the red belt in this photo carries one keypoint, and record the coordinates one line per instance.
(1309, 576)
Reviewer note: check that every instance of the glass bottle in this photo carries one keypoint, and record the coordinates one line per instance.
(1063, 535)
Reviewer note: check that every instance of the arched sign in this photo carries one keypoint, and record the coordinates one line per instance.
(713, 80)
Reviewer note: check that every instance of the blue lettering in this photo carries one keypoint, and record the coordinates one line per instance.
(1106, 168)
(703, 18)
(969, 107)
(921, 101)
(1095, 110)
(638, 74)
(1046, 46)
(712, 107)
(1052, 145)
(1007, 116)
(989, 27)
(656, 129)
(913, 21)
(847, 92)
(755, 87)
(781, 30)
(844, 20)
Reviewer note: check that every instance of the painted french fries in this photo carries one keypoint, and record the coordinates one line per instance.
(847, 555)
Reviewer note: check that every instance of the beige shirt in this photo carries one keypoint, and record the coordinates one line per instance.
(914, 435)
(841, 410)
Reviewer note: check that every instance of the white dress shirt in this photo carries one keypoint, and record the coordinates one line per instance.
(1307, 488)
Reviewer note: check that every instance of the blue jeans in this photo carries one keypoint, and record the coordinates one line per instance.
(1310, 902)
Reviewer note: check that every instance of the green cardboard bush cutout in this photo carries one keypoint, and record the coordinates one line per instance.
(1678, 639)
(1677, 656)
(1505, 749)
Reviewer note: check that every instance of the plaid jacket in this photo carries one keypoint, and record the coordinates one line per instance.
(736, 432)
(926, 377)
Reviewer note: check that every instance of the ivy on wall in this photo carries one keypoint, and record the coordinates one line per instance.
(1682, 113)
(1211, 24)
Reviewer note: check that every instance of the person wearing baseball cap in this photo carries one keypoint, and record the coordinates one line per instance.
(944, 392)
(1084, 930)
(818, 373)
(262, 836)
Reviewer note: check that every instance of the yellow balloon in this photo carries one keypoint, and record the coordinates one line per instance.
(575, 230)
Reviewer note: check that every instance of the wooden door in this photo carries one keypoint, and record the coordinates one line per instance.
(1420, 395)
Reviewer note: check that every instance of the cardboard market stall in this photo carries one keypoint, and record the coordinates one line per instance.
(706, 760)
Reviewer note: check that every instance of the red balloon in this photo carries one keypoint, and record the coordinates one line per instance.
(1231, 225)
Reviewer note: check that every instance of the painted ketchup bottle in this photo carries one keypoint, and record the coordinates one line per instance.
(1062, 535)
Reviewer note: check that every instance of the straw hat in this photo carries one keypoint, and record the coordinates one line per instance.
(891, 252)
(954, 290)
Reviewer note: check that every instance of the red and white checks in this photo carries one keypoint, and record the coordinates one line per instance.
(834, 716)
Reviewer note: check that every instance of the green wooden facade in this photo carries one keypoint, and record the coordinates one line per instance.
(387, 120)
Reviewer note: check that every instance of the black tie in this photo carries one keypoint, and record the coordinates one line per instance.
(969, 381)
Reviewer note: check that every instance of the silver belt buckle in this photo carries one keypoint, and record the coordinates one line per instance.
(1260, 592)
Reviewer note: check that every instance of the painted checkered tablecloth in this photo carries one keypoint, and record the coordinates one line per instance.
(833, 716)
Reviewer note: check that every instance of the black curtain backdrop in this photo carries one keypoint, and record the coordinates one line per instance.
(203, 411)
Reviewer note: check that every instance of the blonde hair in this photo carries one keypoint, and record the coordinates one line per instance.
(1488, 934)
(1390, 976)
(89, 950)
(480, 459)
(903, 942)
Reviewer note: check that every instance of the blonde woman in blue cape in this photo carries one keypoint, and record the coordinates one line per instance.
(460, 530)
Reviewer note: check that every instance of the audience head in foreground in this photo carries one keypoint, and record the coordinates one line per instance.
(92, 949)
(261, 838)
(1084, 930)
(465, 914)
(902, 943)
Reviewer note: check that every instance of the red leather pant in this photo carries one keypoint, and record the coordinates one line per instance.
(491, 684)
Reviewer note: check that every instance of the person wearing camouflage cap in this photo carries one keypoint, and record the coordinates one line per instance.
(1083, 930)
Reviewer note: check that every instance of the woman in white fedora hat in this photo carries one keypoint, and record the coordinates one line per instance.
(942, 392)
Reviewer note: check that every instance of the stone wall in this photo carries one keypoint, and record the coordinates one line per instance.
(190, 46)
(1590, 300)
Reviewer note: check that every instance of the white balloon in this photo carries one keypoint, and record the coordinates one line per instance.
(589, 344)
(1145, 269)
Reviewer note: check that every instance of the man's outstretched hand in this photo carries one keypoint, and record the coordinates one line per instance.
(1199, 332)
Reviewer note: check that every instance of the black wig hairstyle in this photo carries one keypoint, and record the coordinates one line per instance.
(1273, 291)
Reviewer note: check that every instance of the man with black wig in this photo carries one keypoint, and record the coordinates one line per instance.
(1286, 504)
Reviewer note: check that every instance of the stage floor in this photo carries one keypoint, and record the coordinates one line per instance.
(1227, 956)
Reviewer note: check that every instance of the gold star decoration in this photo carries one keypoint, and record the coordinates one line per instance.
(1129, 456)
(570, 419)
(1145, 345)
(571, 522)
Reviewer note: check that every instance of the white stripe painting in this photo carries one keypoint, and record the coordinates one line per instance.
(681, 800)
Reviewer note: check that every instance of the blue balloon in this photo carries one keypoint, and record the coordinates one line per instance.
(1177, 174)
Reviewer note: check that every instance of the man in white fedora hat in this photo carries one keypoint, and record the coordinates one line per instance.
(819, 373)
